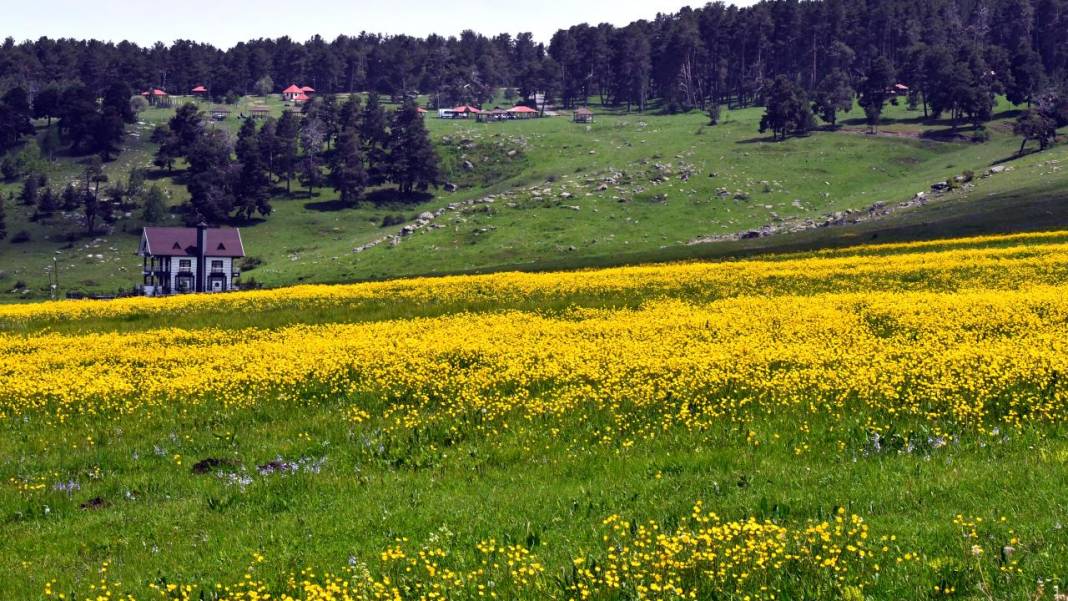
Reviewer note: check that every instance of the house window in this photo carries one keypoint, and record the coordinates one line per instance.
(216, 266)
(185, 264)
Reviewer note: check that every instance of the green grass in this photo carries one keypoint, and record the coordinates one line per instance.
(546, 484)
(636, 219)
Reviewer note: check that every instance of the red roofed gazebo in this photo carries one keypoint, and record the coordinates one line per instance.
(200, 90)
(465, 111)
(307, 89)
(522, 112)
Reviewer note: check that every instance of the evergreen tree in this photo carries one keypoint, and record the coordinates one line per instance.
(46, 203)
(310, 168)
(15, 115)
(833, 95)
(30, 189)
(50, 143)
(108, 133)
(46, 104)
(1028, 76)
(787, 111)
(375, 137)
(268, 144)
(78, 117)
(155, 208)
(253, 193)
(71, 199)
(876, 90)
(348, 175)
(286, 151)
(177, 139)
(413, 163)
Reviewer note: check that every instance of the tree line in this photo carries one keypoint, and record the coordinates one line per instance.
(716, 54)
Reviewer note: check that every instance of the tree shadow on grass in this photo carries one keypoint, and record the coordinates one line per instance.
(392, 196)
(327, 206)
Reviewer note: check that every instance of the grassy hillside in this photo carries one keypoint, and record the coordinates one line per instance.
(879, 422)
(628, 187)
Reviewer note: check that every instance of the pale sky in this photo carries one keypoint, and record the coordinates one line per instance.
(225, 22)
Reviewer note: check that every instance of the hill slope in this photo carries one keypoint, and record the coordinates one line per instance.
(550, 193)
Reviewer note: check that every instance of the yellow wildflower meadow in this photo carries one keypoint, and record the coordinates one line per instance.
(974, 356)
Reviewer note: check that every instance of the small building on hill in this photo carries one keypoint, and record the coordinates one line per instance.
(583, 115)
(180, 260)
(260, 111)
(200, 91)
(460, 112)
(292, 92)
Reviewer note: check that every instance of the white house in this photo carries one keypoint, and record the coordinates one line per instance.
(188, 259)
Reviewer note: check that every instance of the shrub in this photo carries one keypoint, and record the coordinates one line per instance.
(250, 263)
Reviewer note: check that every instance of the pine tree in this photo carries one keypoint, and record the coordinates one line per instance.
(71, 200)
(833, 95)
(348, 175)
(254, 186)
(268, 144)
(311, 140)
(375, 137)
(413, 163)
(155, 208)
(876, 90)
(30, 187)
(46, 203)
(286, 153)
(787, 111)
(15, 115)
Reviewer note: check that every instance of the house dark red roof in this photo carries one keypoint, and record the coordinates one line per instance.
(466, 109)
(307, 89)
(293, 89)
(199, 90)
(158, 92)
(182, 242)
(521, 109)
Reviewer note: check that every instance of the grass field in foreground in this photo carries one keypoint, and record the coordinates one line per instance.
(868, 423)
(667, 179)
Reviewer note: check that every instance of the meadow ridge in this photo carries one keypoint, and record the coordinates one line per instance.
(879, 422)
